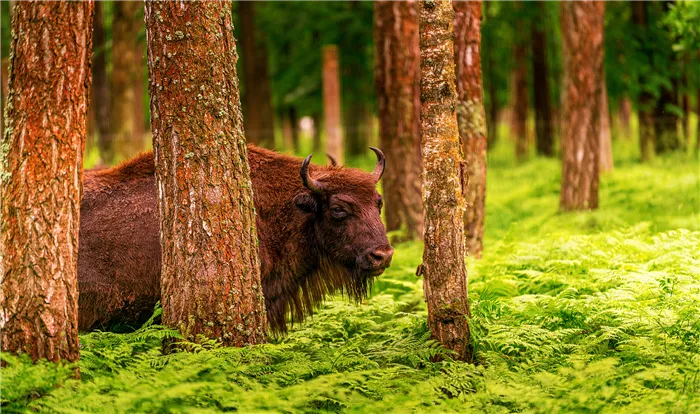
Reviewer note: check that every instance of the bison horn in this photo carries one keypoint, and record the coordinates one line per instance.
(309, 182)
(379, 168)
(332, 160)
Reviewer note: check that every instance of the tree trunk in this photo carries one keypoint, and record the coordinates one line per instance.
(126, 71)
(331, 103)
(356, 129)
(582, 44)
(624, 114)
(397, 82)
(317, 144)
(287, 132)
(3, 75)
(606, 156)
(443, 268)
(210, 277)
(471, 118)
(685, 105)
(697, 111)
(100, 95)
(259, 116)
(646, 99)
(544, 123)
(294, 121)
(520, 93)
(666, 122)
(42, 158)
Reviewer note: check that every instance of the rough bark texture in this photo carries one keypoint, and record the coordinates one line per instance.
(41, 174)
(471, 118)
(331, 103)
(126, 74)
(544, 122)
(520, 99)
(582, 44)
(3, 78)
(646, 99)
(257, 100)
(397, 82)
(606, 156)
(210, 266)
(99, 94)
(443, 268)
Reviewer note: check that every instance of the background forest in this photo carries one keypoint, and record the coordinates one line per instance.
(589, 311)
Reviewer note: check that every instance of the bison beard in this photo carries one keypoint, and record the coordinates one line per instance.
(307, 250)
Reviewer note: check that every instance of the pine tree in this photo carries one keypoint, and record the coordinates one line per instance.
(397, 81)
(443, 268)
(582, 43)
(41, 178)
(210, 277)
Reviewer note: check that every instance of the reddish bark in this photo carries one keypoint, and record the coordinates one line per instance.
(443, 268)
(397, 81)
(210, 266)
(582, 44)
(471, 118)
(331, 103)
(41, 179)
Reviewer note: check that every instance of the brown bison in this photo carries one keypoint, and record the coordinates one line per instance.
(319, 231)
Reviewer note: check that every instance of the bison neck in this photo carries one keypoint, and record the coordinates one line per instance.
(296, 276)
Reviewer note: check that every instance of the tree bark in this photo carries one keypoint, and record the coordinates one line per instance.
(520, 99)
(606, 157)
(397, 82)
(443, 268)
(582, 44)
(210, 277)
(126, 71)
(258, 114)
(646, 99)
(4, 63)
(41, 178)
(544, 122)
(471, 118)
(100, 94)
(331, 103)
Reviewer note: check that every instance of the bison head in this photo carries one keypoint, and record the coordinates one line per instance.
(344, 209)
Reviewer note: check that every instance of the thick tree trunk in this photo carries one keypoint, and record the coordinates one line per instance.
(42, 158)
(331, 103)
(520, 102)
(397, 81)
(258, 113)
(544, 123)
(443, 268)
(582, 44)
(100, 95)
(210, 277)
(646, 100)
(606, 156)
(471, 118)
(126, 73)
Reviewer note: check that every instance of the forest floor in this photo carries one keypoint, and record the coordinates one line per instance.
(576, 312)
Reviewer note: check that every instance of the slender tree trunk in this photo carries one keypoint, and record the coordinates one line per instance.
(331, 103)
(471, 118)
(259, 115)
(210, 277)
(287, 132)
(125, 75)
(397, 82)
(646, 100)
(443, 268)
(520, 93)
(41, 169)
(624, 114)
(582, 44)
(356, 129)
(685, 105)
(294, 121)
(317, 144)
(666, 122)
(100, 95)
(544, 123)
(606, 156)
(697, 134)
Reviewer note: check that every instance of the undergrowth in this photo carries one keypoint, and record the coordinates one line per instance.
(586, 312)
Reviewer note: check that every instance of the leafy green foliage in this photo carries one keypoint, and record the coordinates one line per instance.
(587, 312)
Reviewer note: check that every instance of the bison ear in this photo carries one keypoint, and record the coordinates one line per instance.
(306, 203)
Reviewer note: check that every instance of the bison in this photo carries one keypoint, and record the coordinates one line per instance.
(319, 232)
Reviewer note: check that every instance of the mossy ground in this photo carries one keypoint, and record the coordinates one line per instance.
(577, 312)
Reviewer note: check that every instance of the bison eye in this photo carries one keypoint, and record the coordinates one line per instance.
(338, 213)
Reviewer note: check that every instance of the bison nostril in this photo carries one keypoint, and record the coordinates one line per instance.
(377, 256)
(380, 257)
